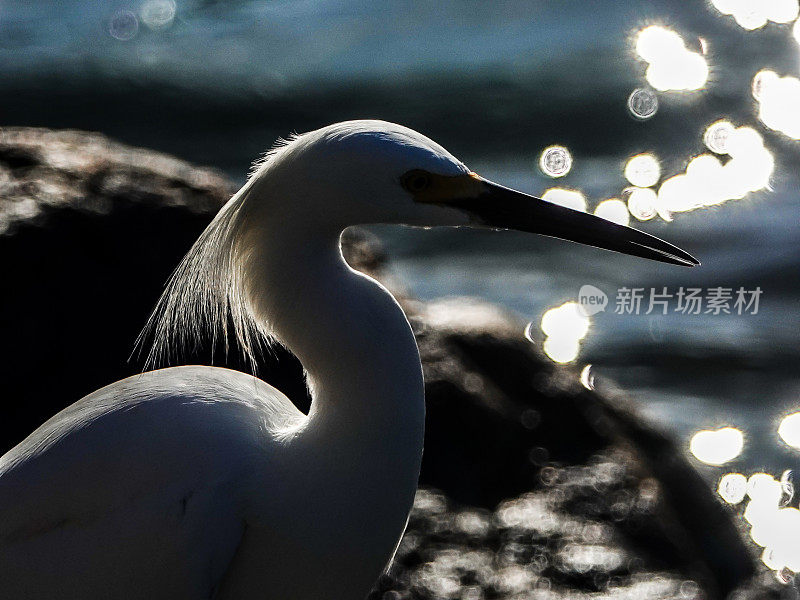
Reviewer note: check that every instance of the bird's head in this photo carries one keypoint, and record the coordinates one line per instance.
(315, 185)
(362, 172)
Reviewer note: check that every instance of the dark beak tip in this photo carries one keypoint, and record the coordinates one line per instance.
(682, 260)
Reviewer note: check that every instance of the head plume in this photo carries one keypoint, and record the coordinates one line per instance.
(204, 300)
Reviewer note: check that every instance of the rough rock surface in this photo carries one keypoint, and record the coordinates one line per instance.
(548, 490)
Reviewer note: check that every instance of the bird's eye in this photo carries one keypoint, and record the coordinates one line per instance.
(416, 181)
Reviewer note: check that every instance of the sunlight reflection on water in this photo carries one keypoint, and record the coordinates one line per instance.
(566, 320)
(573, 199)
(707, 181)
(789, 430)
(774, 525)
(614, 210)
(642, 203)
(672, 66)
(642, 170)
(564, 327)
(732, 488)
(754, 15)
(778, 99)
(717, 447)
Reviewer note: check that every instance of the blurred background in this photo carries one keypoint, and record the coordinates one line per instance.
(553, 98)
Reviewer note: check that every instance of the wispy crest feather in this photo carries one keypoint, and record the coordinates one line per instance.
(205, 297)
(277, 148)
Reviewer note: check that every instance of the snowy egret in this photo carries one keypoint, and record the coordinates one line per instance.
(200, 482)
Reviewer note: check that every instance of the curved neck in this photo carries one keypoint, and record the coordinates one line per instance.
(358, 454)
(349, 333)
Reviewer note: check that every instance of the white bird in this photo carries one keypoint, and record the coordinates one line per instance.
(198, 482)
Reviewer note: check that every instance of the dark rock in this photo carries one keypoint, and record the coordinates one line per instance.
(547, 487)
(503, 420)
(539, 546)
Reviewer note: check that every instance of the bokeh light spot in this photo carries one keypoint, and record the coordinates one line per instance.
(642, 170)
(789, 430)
(642, 203)
(565, 326)
(158, 14)
(528, 332)
(614, 210)
(569, 198)
(555, 161)
(751, 14)
(774, 526)
(587, 377)
(778, 99)
(124, 25)
(761, 80)
(782, 11)
(643, 103)
(732, 488)
(567, 320)
(561, 349)
(717, 135)
(717, 447)
(671, 65)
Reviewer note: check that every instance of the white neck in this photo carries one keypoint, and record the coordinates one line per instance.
(352, 338)
(354, 462)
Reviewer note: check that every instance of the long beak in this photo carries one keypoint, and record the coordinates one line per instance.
(500, 207)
